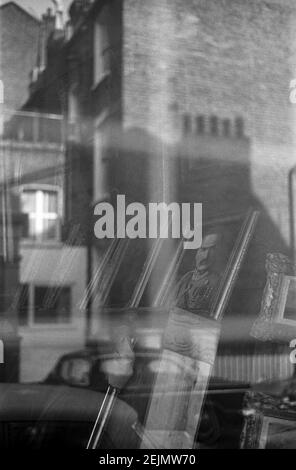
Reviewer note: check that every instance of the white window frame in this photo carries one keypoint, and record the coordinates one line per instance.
(39, 189)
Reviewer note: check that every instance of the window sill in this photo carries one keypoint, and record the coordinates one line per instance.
(48, 327)
(26, 243)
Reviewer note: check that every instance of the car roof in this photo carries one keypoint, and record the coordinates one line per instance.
(25, 402)
(107, 353)
(215, 383)
(83, 353)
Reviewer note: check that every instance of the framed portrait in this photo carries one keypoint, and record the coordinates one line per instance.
(277, 317)
(152, 286)
(270, 423)
(225, 239)
(195, 291)
(152, 279)
(278, 433)
(161, 264)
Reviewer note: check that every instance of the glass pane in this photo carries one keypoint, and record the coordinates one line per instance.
(63, 304)
(41, 314)
(50, 202)
(52, 304)
(32, 229)
(80, 369)
(29, 201)
(50, 229)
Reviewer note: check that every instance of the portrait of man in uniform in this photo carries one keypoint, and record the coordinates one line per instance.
(195, 291)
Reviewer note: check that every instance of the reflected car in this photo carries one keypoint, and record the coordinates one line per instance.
(34, 416)
(222, 417)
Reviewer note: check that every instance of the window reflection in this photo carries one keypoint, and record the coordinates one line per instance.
(42, 209)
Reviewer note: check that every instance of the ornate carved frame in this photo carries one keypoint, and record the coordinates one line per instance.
(262, 410)
(271, 324)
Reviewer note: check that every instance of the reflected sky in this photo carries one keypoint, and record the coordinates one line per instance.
(37, 7)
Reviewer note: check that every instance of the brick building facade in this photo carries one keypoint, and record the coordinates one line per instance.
(163, 62)
(167, 65)
(229, 58)
(18, 52)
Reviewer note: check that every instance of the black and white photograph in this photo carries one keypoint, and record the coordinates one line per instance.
(147, 227)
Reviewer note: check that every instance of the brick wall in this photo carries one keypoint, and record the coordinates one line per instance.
(18, 44)
(223, 57)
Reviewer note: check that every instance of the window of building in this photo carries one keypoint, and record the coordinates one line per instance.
(40, 304)
(42, 206)
(102, 49)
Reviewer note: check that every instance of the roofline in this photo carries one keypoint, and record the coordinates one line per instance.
(23, 10)
(95, 7)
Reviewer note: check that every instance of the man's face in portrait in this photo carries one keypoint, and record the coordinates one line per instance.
(205, 255)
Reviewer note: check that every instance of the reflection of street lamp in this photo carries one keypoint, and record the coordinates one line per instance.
(1, 107)
(5, 198)
(2, 167)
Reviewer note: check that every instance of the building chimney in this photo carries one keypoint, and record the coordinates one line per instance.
(59, 14)
(77, 10)
(46, 29)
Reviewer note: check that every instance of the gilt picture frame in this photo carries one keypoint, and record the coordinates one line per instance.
(277, 318)
(270, 423)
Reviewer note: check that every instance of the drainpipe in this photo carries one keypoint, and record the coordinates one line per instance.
(1, 108)
(292, 208)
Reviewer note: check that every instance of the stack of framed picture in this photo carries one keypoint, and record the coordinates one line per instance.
(191, 290)
(270, 423)
(270, 416)
(277, 318)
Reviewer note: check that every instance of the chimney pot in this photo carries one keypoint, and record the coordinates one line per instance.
(187, 124)
(226, 127)
(239, 127)
(214, 125)
(200, 124)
